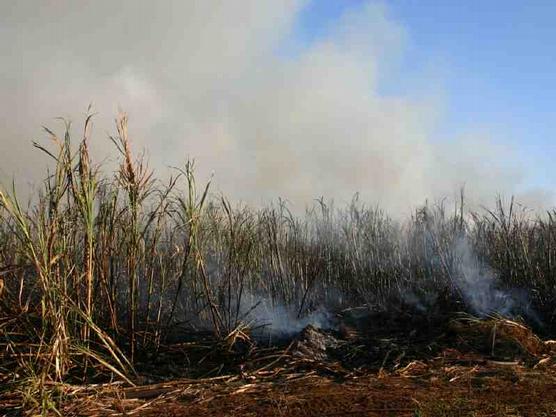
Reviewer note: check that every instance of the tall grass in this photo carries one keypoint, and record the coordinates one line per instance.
(101, 269)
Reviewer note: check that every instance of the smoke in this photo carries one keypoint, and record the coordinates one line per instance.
(211, 80)
(477, 282)
(479, 286)
(422, 301)
(271, 318)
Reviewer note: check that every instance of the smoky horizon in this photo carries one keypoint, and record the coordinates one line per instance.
(272, 100)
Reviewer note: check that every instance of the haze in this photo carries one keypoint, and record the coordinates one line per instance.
(280, 98)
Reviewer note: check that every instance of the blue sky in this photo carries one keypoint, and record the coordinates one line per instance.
(494, 60)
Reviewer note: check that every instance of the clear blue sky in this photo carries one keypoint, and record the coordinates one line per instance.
(497, 64)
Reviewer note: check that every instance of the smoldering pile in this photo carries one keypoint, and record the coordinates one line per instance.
(313, 343)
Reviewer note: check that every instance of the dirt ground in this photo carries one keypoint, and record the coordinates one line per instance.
(439, 388)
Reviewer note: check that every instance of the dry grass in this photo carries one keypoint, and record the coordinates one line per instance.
(101, 271)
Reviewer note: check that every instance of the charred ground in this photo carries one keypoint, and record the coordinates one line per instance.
(371, 364)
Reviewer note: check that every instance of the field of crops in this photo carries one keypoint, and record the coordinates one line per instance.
(110, 282)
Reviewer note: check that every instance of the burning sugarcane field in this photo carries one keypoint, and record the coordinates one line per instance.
(314, 208)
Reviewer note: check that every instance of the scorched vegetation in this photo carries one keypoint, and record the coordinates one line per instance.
(104, 273)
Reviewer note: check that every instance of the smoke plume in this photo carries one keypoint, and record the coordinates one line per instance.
(479, 286)
(211, 80)
(270, 318)
(477, 283)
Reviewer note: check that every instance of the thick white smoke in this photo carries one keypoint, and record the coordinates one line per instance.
(208, 80)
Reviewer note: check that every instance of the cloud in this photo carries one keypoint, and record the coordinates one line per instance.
(203, 80)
